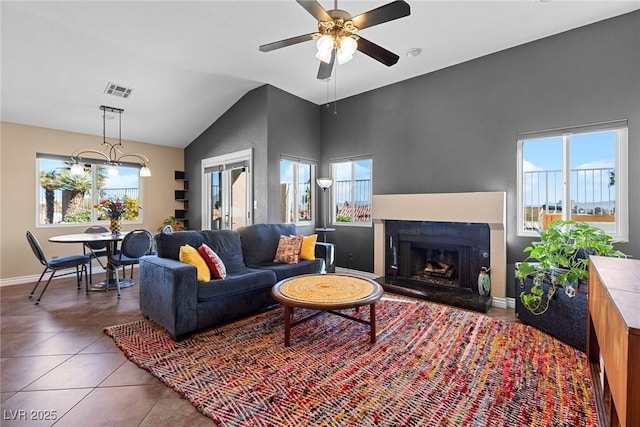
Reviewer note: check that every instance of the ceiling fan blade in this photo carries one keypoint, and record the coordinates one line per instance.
(286, 42)
(376, 52)
(315, 9)
(324, 72)
(386, 13)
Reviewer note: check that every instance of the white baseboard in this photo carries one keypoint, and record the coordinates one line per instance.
(503, 302)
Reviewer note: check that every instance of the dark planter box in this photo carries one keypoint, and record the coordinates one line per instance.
(566, 318)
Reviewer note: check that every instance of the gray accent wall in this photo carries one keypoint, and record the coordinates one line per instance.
(269, 121)
(294, 130)
(243, 126)
(453, 130)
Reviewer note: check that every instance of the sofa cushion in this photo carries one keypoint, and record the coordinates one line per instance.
(260, 241)
(215, 264)
(308, 247)
(288, 251)
(190, 255)
(168, 245)
(248, 281)
(226, 243)
(284, 271)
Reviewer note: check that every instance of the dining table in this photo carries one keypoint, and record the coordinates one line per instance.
(111, 240)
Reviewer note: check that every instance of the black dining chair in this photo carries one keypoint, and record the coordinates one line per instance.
(95, 250)
(78, 261)
(135, 245)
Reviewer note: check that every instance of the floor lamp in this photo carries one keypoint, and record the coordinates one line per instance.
(324, 183)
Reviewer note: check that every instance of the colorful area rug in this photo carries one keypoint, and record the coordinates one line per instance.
(431, 366)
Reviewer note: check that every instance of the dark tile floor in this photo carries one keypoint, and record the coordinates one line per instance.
(57, 363)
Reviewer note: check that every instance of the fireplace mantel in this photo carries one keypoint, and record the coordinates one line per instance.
(480, 207)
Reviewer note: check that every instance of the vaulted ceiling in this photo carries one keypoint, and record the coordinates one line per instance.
(188, 62)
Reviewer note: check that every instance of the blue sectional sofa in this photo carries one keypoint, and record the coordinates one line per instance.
(171, 296)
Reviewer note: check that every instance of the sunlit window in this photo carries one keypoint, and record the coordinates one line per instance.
(578, 174)
(296, 191)
(351, 192)
(66, 198)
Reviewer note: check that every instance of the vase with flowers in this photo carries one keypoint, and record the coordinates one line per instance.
(113, 210)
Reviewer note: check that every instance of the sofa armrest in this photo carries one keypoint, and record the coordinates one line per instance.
(169, 294)
(326, 251)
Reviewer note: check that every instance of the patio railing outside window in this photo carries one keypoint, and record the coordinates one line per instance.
(353, 202)
(592, 196)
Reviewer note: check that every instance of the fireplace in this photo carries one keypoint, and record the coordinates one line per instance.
(438, 253)
(476, 214)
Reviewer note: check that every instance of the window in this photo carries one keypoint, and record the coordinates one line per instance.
(352, 192)
(65, 198)
(296, 191)
(578, 173)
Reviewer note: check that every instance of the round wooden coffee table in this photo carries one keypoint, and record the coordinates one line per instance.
(327, 293)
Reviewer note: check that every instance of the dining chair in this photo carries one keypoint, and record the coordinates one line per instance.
(95, 250)
(78, 261)
(135, 245)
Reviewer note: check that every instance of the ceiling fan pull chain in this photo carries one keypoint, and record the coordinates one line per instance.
(335, 90)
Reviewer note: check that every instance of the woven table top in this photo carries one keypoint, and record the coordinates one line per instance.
(327, 288)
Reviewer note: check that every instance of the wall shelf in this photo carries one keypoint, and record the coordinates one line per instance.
(181, 196)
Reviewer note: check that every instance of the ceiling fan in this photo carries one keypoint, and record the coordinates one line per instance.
(336, 38)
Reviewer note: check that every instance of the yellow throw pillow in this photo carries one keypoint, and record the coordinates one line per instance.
(190, 255)
(308, 250)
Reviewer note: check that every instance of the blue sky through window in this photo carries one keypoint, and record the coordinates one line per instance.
(593, 154)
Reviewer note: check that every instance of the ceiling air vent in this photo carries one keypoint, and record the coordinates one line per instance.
(118, 90)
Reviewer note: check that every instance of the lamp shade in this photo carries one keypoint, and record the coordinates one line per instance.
(324, 56)
(145, 171)
(347, 48)
(325, 44)
(343, 58)
(348, 45)
(77, 169)
(324, 183)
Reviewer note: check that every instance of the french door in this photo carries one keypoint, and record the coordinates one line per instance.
(227, 191)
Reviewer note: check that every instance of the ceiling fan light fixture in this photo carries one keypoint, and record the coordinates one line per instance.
(348, 45)
(325, 46)
(343, 57)
(324, 56)
(347, 48)
(336, 27)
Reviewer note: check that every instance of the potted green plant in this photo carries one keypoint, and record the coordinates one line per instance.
(560, 259)
(173, 222)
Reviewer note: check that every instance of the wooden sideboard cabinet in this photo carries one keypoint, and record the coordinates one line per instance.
(613, 337)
